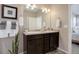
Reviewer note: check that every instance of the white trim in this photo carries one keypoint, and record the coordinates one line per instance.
(58, 49)
(21, 53)
(70, 28)
(63, 51)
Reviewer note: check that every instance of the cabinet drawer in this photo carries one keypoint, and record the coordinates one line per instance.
(34, 36)
(46, 35)
(54, 34)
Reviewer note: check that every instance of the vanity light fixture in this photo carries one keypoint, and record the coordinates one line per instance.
(34, 6)
(31, 6)
(28, 6)
(48, 10)
(45, 10)
(42, 10)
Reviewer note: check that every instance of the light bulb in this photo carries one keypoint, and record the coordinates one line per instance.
(34, 6)
(48, 10)
(28, 5)
(43, 10)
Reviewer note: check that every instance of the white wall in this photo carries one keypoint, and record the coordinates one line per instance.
(56, 11)
(62, 12)
(6, 43)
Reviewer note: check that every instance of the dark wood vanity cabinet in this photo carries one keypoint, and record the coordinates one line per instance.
(46, 43)
(35, 44)
(40, 43)
(54, 41)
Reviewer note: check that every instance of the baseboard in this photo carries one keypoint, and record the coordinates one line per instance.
(66, 52)
(21, 53)
(63, 50)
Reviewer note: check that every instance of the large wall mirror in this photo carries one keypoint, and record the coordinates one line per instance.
(33, 19)
(39, 17)
(35, 23)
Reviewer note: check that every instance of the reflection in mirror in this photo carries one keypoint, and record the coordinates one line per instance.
(36, 17)
(32, 19)
(35, 23)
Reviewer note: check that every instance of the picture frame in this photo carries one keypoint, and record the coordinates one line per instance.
(9, 12)
(3, 25)
(13, 25)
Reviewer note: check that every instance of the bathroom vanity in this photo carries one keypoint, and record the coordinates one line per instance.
(41, 36)
(40, 42)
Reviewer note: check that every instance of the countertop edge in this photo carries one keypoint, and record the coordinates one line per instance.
(33, 33)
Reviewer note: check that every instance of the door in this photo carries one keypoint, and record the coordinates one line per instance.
(35, 45)
(54, 41)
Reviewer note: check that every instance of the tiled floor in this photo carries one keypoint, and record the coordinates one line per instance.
(75, 49)
(56, 52)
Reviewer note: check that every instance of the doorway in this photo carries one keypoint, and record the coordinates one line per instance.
(75, 28)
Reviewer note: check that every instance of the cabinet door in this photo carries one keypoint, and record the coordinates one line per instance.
(24, 43)
(46, 43)
(54, 41)
(35, 46)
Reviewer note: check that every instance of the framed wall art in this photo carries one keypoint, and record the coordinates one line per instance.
(9, 12)
(13, 25)
(3, 25)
